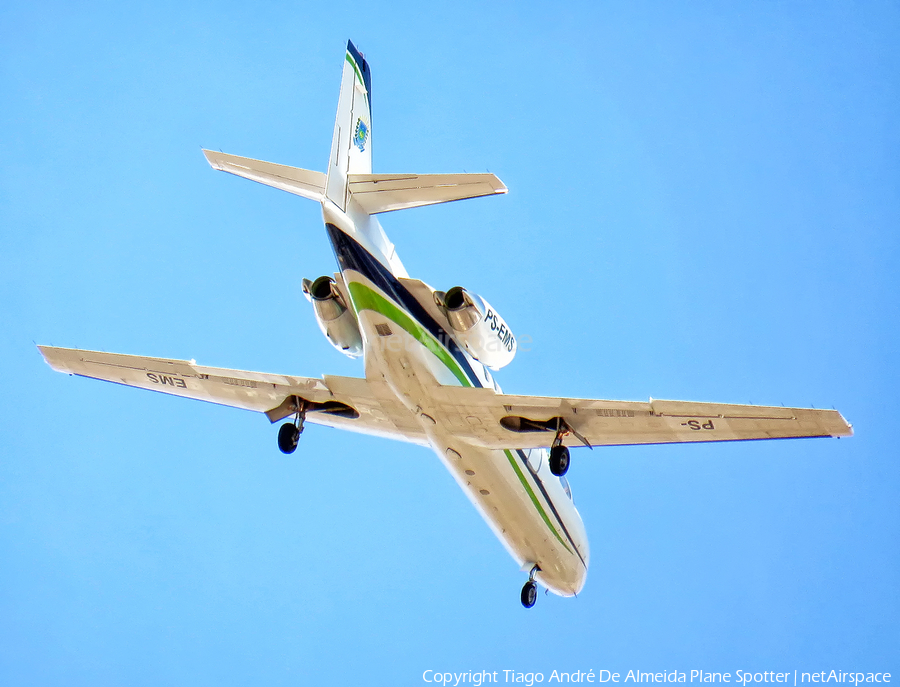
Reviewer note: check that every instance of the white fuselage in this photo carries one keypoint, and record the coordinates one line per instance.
(406, 345)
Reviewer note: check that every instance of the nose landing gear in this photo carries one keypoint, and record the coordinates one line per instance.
(289, 433)
(529, 591)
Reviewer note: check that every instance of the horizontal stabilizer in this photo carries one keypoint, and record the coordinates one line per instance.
(374, 193)
(300, 182)
(386, 192)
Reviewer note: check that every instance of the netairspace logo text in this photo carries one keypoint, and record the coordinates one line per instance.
(476, 678)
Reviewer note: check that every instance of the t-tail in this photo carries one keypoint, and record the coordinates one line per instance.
(349, 192)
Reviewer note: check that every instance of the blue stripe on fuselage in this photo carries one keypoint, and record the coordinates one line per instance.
(351, 255)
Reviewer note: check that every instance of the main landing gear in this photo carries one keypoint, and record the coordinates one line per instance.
(559, 454)
(529, 591)
(559, 460)
(289, 433)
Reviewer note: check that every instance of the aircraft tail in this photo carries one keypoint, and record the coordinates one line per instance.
(349, 173)
(351, 145)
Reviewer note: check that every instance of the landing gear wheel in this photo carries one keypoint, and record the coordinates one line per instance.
(559, 460)
(288, 436)
(529, 594)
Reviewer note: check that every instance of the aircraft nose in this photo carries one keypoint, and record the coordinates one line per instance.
(579, 576)
(568, 576)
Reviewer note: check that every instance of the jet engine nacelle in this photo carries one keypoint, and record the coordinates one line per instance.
(478, 327)
(336, 320)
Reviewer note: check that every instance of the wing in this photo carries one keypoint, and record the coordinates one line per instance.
(506, 421)
(341, 402)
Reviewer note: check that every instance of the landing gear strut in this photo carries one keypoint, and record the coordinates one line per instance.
(289, 433)
(559, 454)
(529, 591)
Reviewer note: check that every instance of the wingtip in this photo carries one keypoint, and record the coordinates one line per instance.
(54, 361)
(845, 429)
(210, 156)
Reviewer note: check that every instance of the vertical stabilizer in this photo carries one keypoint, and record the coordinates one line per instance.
(351, 145)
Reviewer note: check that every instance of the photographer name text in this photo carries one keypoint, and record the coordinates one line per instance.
(477, 678)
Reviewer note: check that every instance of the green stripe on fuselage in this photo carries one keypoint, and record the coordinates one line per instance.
(533, 496)
(364, 298)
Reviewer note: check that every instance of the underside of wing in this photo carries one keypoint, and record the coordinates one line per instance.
(341, 402)
(377, 193)
(508, 421)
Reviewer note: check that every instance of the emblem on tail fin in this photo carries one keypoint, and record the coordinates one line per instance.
(361, 134)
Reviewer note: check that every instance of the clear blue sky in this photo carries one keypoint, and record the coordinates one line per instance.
(704, 204)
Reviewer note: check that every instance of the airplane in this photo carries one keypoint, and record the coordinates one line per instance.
(428, 359)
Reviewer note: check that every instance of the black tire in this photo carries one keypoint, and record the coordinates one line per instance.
(529, 594)
(288, 436)
(559, 460)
